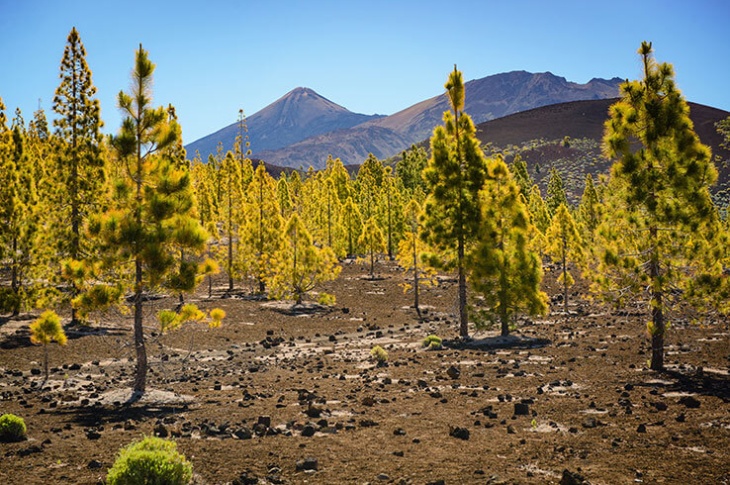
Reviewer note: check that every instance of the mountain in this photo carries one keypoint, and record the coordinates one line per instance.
(303, 128)
(299, 114)
(486, 99)
(539, 134)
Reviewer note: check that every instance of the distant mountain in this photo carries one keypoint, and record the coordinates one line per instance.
(299, 114)
(486, 99)
(540, 133)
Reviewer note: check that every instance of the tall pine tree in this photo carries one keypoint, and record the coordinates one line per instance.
(659, 206)
(81, 171)
(455, 174)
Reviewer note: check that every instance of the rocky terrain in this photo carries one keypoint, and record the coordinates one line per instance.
(281, 394)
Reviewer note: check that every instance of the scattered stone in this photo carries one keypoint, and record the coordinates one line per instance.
(245, 478)
(307, 464)
(383, 477)
(641, 428)
(457, 432)
(689, 402)
(511, 429)
(243, 434)
(161, 431)
(573, 478)
(308, 430)
(522, 409)
(590, 422)
(399, 432)
(94, 465)
(453, 372)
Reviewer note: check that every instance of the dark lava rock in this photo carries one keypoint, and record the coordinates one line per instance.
(243, 434)
(641, 428)
(453, 372)
(521, 409)
(245, 478)
(590, 422)
(573, 478)
(307, 464)
(93, 434)
(308, 430)
(94, 465)
(457, 432)
(399, 432)
(161, 431)
(689, 402)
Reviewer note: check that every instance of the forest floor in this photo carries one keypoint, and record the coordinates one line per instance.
(282, 395)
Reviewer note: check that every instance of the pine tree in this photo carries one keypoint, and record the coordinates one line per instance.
(369, 186)
(372, 240)
(566, 245)
(20, 216)
(298, 265)
(589, 209)
(555, 192)
(411, 251)
(152, 217)
(505, 271)
(455, 173)
(659, 208)
(46, 329)
(231, 180)
(522, 176)
(410, 167)
(540, 220)
(260, 232)
(391, 211)
(352, 222)
(81, 171)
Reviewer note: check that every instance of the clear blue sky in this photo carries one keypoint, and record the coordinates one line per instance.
(374, 56)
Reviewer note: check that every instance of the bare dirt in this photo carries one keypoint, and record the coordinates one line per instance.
(282, 395)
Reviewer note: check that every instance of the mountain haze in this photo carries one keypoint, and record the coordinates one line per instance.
(303, 128)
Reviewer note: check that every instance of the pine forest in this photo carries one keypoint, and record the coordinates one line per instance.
(414, 312)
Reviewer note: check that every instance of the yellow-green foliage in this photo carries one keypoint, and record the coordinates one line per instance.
(47, 329)
(379, 354)
(150, 461)
(432, 342)
(170, 320)
(12, 428)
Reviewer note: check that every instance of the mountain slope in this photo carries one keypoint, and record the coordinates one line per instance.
(487, 98)
(299, 114)
(539, 132)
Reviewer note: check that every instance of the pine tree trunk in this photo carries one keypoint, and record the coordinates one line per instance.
(140, 378)
(463, 315)
(565, 278)
(415, 276)
(657, 310)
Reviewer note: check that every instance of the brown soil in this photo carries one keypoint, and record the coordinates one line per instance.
(242, 399)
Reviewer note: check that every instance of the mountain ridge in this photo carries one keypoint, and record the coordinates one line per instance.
(303, 128)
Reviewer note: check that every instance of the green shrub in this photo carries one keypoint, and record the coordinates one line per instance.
(151, 461)
(12, 428)
(433, 342)
(326, 299)
(379, 354)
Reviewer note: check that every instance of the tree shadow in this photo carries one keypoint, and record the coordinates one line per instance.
(702, 383)
(21, 337)
(100, 415)
(498, 342)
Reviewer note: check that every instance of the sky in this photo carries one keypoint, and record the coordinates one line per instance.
(215, 57)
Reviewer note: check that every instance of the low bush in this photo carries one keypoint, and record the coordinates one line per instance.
(433, 342)
(12, 428)
(152, 461)
(379, 354)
